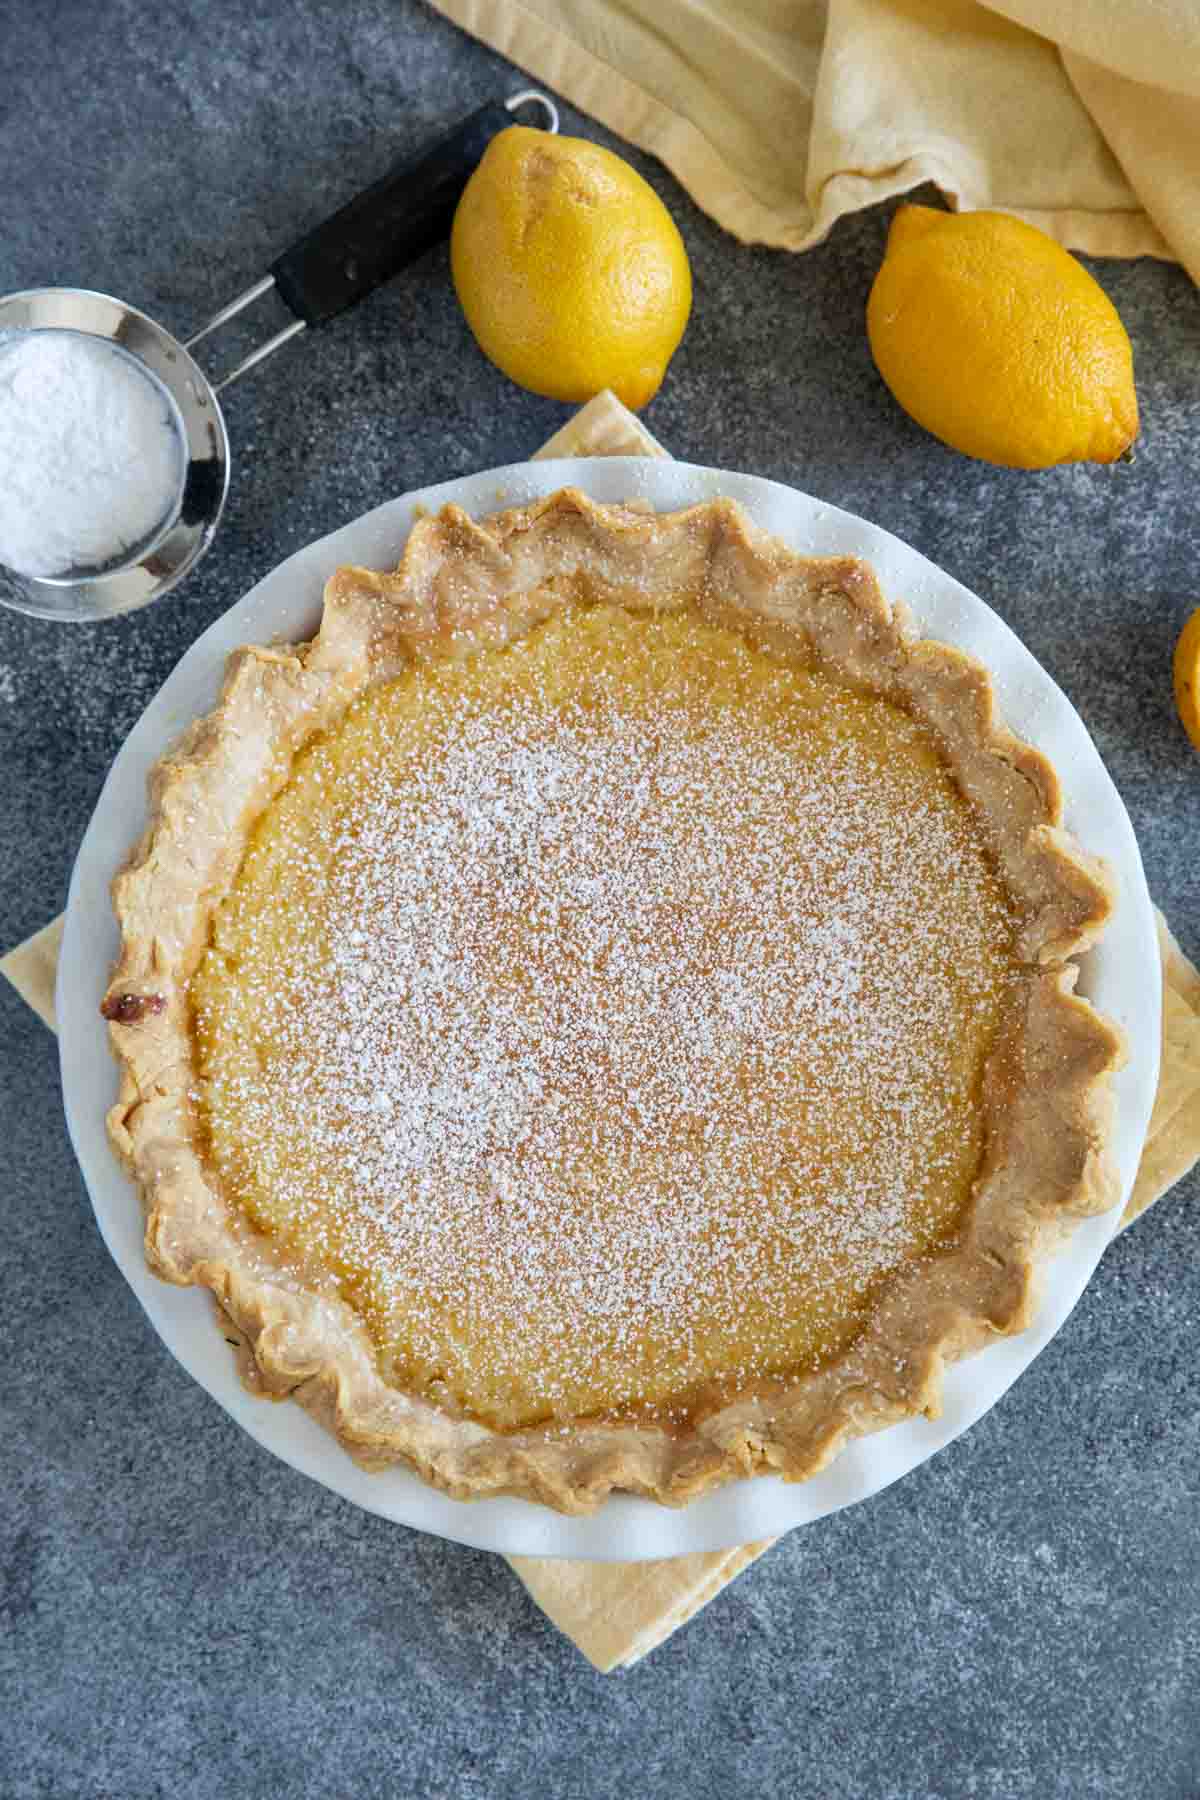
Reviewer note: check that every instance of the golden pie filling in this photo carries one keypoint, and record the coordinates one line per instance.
(606, 1016)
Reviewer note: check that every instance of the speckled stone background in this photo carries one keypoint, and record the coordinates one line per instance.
(182, 1616)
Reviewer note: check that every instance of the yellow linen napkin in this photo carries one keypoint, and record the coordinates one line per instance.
(779, 116)
(616, 1612)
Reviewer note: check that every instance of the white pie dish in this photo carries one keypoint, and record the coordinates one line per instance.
(286, 606)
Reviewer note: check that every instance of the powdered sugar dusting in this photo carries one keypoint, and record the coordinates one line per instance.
(608, 1023)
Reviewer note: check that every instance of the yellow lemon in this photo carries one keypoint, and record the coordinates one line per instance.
(569, 268)
(1187, 677)
(998, 342)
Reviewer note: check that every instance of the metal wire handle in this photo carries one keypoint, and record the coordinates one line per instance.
(467, 148)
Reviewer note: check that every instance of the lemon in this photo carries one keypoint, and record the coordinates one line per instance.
(1187, 677)
(569, 268)
(998, 342)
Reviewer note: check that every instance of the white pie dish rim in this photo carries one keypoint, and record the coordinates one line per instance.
(285, 605)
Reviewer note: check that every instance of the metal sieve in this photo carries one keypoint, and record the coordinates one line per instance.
(368, 241)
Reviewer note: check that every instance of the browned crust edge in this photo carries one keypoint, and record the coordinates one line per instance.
(459, 586)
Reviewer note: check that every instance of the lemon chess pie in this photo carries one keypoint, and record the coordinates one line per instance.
(602, 1015)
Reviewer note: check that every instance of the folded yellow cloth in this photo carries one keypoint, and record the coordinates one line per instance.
(778, 116)
(617, 1612)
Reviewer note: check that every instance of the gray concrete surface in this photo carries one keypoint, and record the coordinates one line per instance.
(181, 1615)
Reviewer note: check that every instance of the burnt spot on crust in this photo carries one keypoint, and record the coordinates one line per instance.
(131, 1009)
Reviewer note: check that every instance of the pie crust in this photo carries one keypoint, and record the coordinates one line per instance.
(464, 587)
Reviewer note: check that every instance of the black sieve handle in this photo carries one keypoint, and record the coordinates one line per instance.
(387, 226)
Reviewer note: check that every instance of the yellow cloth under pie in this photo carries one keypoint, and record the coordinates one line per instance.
(616, 1612)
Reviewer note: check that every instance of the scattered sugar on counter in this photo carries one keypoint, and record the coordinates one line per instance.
(91, 453)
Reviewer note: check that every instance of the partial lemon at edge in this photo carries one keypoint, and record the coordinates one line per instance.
(1186, 670)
